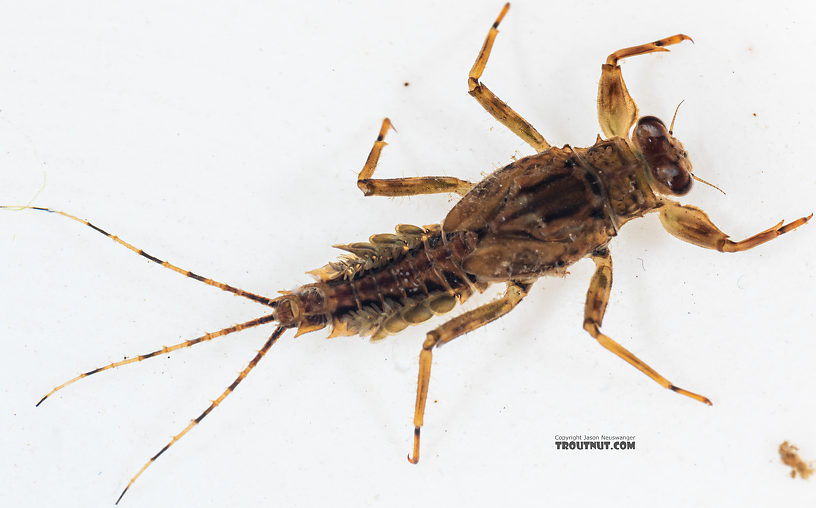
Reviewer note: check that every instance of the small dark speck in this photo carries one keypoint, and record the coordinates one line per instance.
(754, 115)
(406, 84)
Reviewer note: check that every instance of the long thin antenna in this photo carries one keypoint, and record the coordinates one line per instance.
(708, 183)
(671, 127)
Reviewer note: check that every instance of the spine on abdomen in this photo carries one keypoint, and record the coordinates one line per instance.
(381, 291)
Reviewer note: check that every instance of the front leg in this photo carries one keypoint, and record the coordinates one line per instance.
(617, 110)
(692, 225)
(597, 298)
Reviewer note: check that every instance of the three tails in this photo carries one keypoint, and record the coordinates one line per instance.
(269, 302)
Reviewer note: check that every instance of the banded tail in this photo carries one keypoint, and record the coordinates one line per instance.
(378, 289)
(210, 282)
(269, 302)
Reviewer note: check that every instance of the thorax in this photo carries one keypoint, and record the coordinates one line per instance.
(546, 211)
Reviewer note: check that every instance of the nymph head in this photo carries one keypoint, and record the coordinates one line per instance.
(669, 169)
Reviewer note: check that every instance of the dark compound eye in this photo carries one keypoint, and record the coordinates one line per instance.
(651, 136)
(663, 158)
(675, 178)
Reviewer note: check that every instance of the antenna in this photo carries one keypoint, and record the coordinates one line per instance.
(671, 127)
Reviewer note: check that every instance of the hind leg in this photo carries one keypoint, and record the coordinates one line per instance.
(403, 186)
(456, 327)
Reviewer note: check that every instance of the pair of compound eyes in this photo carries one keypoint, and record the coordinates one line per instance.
(664, 155)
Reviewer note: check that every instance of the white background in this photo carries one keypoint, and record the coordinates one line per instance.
(226, 139)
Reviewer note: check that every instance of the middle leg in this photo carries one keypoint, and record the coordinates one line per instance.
(495, 106)
(597, 298)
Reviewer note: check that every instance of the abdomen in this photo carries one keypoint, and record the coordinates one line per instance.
(382, 290)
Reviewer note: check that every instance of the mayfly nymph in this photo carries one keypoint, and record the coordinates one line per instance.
(534, 217)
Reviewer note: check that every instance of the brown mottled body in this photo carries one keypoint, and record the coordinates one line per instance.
(532, 218)
(544, 212)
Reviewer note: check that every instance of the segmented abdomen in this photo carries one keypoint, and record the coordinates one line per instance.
(385, 285)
